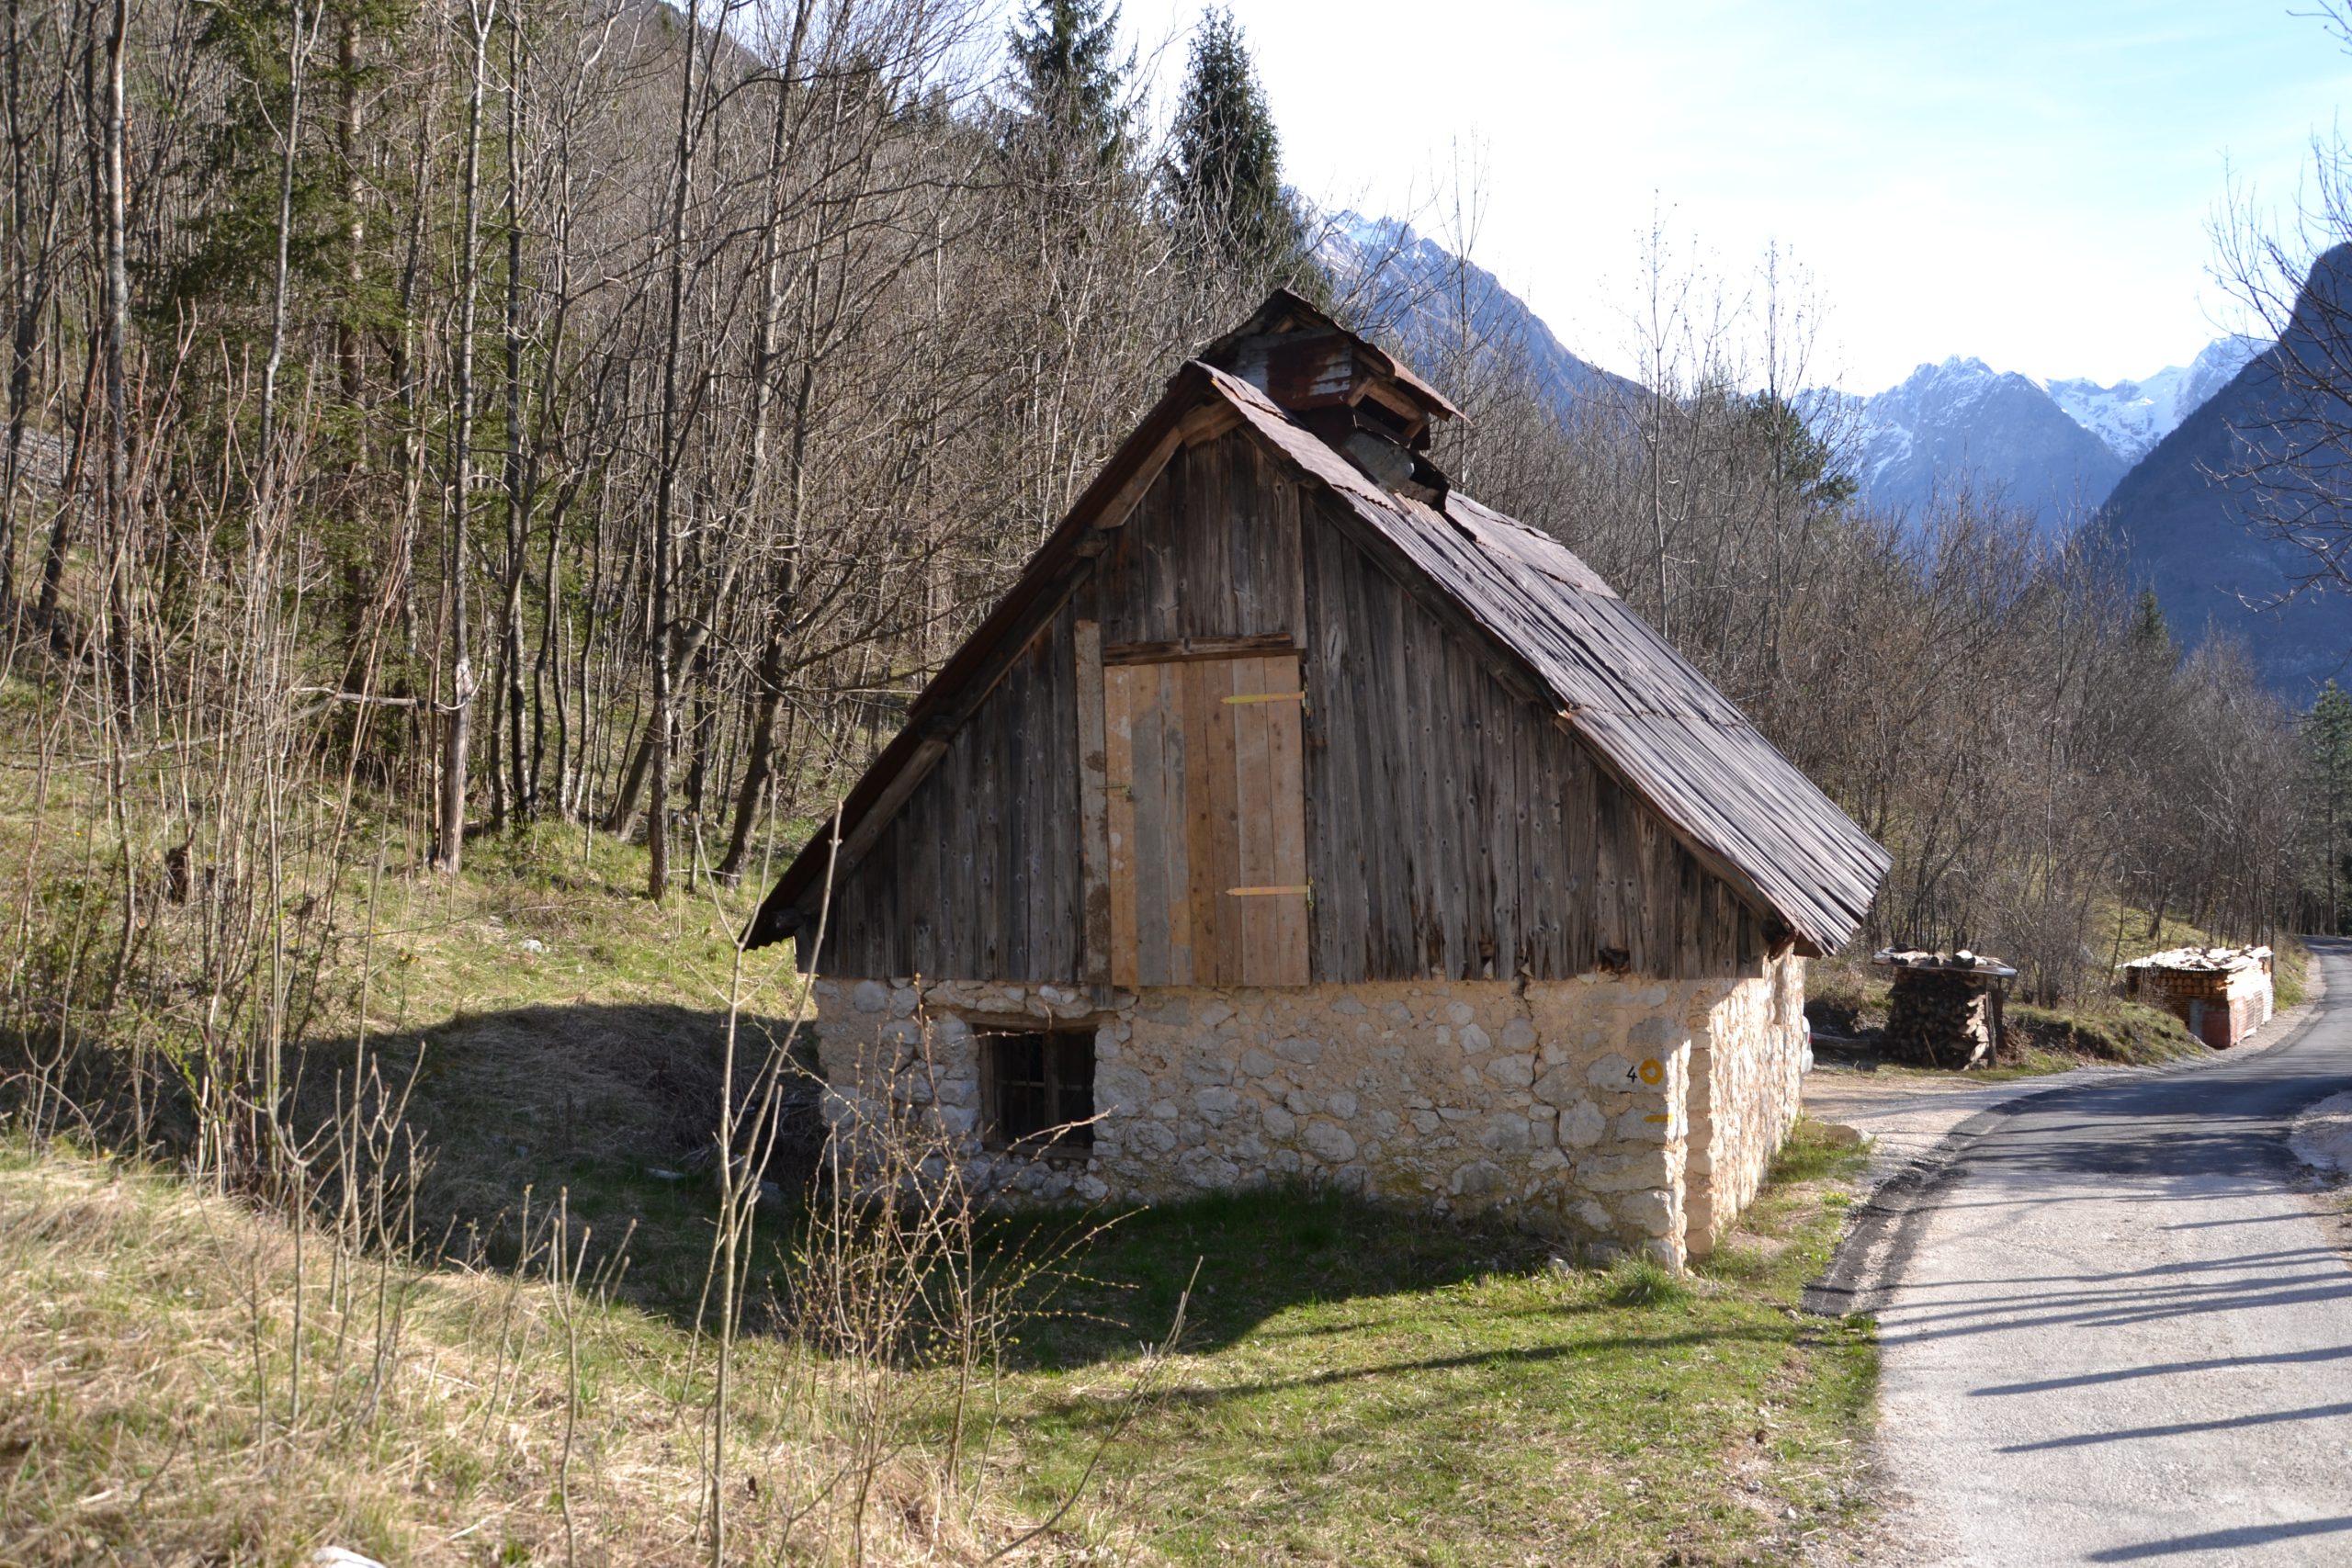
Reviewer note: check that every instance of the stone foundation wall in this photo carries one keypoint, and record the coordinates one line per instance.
(1566, 1105)
(1747, 1091)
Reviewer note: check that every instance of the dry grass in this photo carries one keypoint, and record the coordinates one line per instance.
(148, 1411)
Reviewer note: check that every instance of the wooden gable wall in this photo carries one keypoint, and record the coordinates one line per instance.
(1454, 826)
(979, 875)
(1456, 829)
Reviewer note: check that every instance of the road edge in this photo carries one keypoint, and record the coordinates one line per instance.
(1882, 1231)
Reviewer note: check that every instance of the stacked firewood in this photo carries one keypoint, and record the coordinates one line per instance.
(1938, 1018)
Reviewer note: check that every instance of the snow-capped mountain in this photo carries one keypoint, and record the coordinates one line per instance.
(2132, 416)
(1963, 423)
(2056, 449)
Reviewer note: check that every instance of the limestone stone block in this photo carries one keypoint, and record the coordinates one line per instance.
(1475, 1040)
(870, 996)
(1257, 1064)
(1216, 1104)
(1656, 1035)
(1205, 1170)
(1476, 1178)
(1644, 1124)
(1340, 1103)
(1280, 1122)
(1507, 1132)
(1206, 1064)
(1121, 1090)
(1330, 1141)
(1651, 1212)
(1511, 1072)
(1300, 1049)
(1612, 1072)
(1625, 1173)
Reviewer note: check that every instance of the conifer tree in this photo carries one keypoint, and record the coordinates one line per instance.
(1226, 174)
(1068, 80)
(2150, 631)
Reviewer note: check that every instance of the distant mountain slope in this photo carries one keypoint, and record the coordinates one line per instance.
(1962, 420)
(2182, 521)
(2132, 416)
(1413, 292)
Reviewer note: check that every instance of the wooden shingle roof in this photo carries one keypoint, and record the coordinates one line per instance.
(1744, 811)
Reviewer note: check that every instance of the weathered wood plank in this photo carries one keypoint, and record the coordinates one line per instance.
(1255, 866)
(1119, 775)
(1197, 826)
(1093, 804)
(1177, 649)
(1286, 811)
(1154, 939)
(1227, 805)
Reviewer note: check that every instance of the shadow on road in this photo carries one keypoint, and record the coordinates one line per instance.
(2222, 1540)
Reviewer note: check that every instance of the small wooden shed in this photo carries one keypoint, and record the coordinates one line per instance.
(1296, 816)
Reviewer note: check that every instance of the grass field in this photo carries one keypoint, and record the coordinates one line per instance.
(185, 1378)
(1351, 1385)
(1358, 1388)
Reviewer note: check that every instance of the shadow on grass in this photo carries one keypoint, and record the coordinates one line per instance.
(611, 1106)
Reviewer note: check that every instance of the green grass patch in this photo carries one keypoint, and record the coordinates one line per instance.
(2292, 974)
(1358, 1385)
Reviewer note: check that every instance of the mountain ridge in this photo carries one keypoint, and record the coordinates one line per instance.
(2134, 461)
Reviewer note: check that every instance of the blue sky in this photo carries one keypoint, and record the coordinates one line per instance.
(2029, 184)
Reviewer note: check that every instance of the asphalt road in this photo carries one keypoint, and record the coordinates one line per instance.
(2118, 1331)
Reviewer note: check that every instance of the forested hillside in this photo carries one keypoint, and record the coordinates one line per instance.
(428, 422)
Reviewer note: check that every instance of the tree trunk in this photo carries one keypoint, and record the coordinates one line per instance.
(449, 847)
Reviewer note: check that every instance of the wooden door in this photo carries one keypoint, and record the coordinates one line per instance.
(1204, 771)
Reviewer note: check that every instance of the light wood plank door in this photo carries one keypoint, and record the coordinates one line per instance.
(1204, 769)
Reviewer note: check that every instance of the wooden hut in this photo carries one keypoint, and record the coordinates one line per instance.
(1295, 816)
